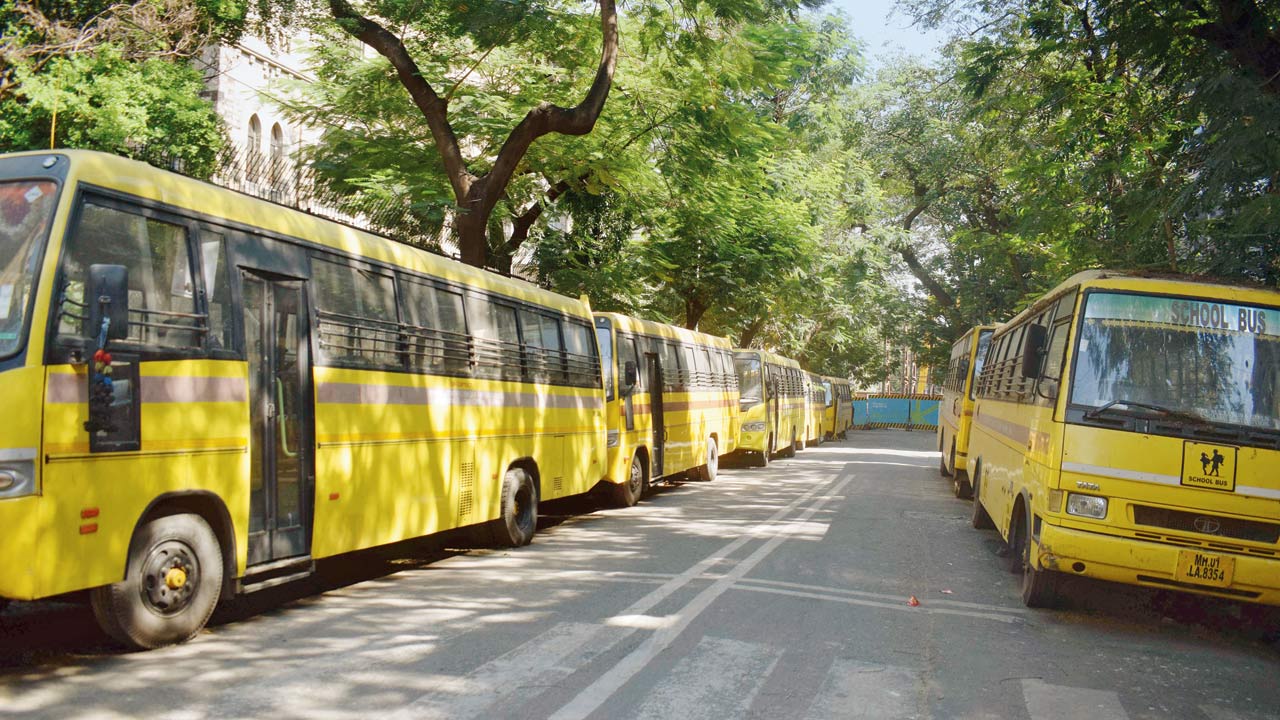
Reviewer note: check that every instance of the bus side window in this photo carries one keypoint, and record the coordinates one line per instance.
(497, 338)
(582, 360)
(358, 321)
(436, 328)
(217, 290)
(162, 310)
(540, 335)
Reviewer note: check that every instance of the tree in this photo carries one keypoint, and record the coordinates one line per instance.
(112, 76)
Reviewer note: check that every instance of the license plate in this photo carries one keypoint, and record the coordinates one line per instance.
(1204, 568)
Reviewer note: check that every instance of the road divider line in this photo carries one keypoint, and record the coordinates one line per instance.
(825, 590)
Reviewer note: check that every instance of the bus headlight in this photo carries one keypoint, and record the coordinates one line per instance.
(753, 427)
(1088, 506)
(17, 478)
(612, 438)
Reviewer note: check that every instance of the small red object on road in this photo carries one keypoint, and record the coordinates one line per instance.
(913, 602)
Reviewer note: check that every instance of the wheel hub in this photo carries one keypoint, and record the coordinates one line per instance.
(170, 576)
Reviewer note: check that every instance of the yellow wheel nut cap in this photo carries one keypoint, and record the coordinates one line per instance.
(175, 578)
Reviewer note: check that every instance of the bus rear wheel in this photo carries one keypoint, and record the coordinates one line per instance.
(1039, 587)
(792, 448)
(712, 468)
(629, 493)
(518, 520)
(170, 589)
(760, 459)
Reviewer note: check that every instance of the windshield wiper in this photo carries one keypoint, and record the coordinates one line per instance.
(1183, 415)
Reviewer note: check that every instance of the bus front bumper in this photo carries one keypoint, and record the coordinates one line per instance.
(1140, 562)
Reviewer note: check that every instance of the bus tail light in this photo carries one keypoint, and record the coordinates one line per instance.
(1089, 506)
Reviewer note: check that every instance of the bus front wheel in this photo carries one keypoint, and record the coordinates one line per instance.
(628, 493)
(519, 516)
(1039, 586)
(979, 518)
(173, 582)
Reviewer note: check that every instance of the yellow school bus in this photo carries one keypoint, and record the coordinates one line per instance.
(815, 410)
(672, 403)
(205, 393)
(955, 412)
(838, 417)
(772, 401)
(1128, 428)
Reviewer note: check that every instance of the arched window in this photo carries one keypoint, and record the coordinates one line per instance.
(255, 134)
(278, 160)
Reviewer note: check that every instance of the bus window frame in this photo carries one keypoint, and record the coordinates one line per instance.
(61, 349)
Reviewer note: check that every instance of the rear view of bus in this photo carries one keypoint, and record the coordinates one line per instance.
(955, 412)
(1128, 429)
(838, 417)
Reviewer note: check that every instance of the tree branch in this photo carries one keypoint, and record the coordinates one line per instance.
(433, 108)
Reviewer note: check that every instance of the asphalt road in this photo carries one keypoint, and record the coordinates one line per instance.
(776, 593)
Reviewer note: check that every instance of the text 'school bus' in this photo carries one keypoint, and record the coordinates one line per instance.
(672, 402)
(839, 415)
(772, 399)
(815, 410)
(1128, 429)
(955, 412)
(274, 388)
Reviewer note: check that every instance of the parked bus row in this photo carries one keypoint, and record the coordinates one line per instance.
(1125, 428)
(206, 393)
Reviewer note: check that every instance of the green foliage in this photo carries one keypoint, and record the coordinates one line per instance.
(103, 101)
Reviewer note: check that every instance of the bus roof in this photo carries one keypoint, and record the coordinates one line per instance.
(663, 330)
(217, 203)
(770, 357)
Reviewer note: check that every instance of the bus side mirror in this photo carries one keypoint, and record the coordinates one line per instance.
(108, 299)
(1032, 358)
(629, 374)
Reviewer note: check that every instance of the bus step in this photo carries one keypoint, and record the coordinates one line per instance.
(269, 575)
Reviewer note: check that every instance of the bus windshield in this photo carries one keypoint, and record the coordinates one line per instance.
(1214, 360)
(980, 357)
(26, 208)
(750, 389)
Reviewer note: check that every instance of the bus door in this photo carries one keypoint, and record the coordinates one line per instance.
(773, 390)
(276, 330)
(655, 413)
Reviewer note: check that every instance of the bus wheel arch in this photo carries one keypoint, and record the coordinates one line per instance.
(208, 506)
(173, 583)
(978, 519)
(1038, 586)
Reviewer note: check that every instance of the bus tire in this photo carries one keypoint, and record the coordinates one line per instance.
(171, 586)
(979, 518)
(712, 469)
(960, 486)
(1039, 588)
(518, 519)
(793, 447)
(628, 493)
(760, 459)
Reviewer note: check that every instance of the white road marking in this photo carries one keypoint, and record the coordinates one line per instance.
(897, 604)
(598, 692)
(542, 660)
(1059, 702)
(719, 679)
(827, 590)
(854, 689)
